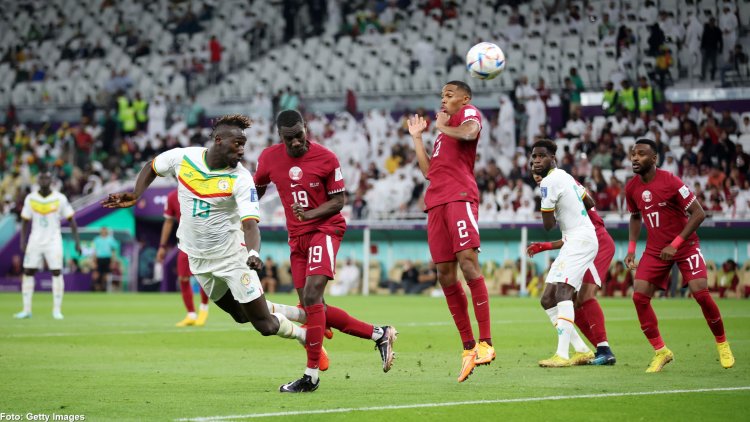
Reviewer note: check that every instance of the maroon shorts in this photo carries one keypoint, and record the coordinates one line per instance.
(452, 228)
(602, 261)
(313, 253)
(183, 266)
(657, 272)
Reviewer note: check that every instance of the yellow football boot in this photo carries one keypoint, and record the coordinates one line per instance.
(468, 362)
(725, 355)
(663, 356)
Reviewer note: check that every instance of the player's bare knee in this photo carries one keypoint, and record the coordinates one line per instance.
(29, 271)
(267, 327)
(469, 268)
(56, 273)
(548, 301)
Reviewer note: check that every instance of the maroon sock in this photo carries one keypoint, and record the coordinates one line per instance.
(481, 301)
(583, 324)
(342, 321)
(712, 314)
(204, 297)
(459, 308)
(595, 317)
(316, 322)
(647, 317)
(187, 295)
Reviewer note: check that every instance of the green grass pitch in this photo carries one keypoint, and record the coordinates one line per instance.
(119, 357)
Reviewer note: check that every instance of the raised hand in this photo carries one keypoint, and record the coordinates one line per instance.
(417, 124)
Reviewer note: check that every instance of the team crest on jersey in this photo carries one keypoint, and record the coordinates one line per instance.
(223, 185)
(245, 279)
(295, 173)
(646, 195)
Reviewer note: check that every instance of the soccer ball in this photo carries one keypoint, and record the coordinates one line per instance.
(485, 61)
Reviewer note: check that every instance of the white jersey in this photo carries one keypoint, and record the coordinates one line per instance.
(563, 195)
(213, 203)
(45, 213)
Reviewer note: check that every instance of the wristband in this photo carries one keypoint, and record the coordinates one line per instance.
(631, 246)
(677, 242)
(253, 252)
(545, 246)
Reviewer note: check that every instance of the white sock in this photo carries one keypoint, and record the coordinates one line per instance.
(565, 328)
(58, 287)
(203, 307)
(575, 339)
(292, 313)
(313, 373)
(287, 329)
(192, 315)
(377, 332)
(603, 344)
(27, 291)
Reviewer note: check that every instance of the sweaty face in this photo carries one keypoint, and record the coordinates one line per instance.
(233, 141)
(643, 158)
(295, 139)
(453, 98)
(541, 161)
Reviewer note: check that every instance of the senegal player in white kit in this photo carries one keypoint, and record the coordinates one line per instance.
(563, 204)
(43, 210)
(218, 227)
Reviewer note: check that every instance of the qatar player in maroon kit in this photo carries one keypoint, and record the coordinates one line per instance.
(589, 317)
(172, 215)
(310, 183)
(662, 200)
(451, 203)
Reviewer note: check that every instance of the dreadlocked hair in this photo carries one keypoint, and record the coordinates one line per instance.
(236, 120)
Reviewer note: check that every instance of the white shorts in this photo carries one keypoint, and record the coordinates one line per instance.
(576, 256)
(216, 276)
(51, 252)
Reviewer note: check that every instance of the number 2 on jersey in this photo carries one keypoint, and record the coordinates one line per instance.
(201, 209)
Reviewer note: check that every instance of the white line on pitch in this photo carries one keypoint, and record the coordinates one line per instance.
(459, 403)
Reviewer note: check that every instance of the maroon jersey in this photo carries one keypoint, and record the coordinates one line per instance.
(307, 180)
(451, 172)
(662, 203)
(172, 206)
(596, 219)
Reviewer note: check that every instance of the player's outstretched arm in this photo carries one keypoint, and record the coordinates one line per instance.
(535, 248)
(697, 215)
(76, 238)
(634, 231)
(331, 207)
(128, 199)
(417, 124)
(252, 243)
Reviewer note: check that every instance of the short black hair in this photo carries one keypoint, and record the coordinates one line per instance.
(646, 141)
(288, 118)
(546, 143)
(462, 86)
(236, 120)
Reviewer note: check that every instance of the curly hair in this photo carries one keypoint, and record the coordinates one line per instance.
(236, 120)
(546, 143)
